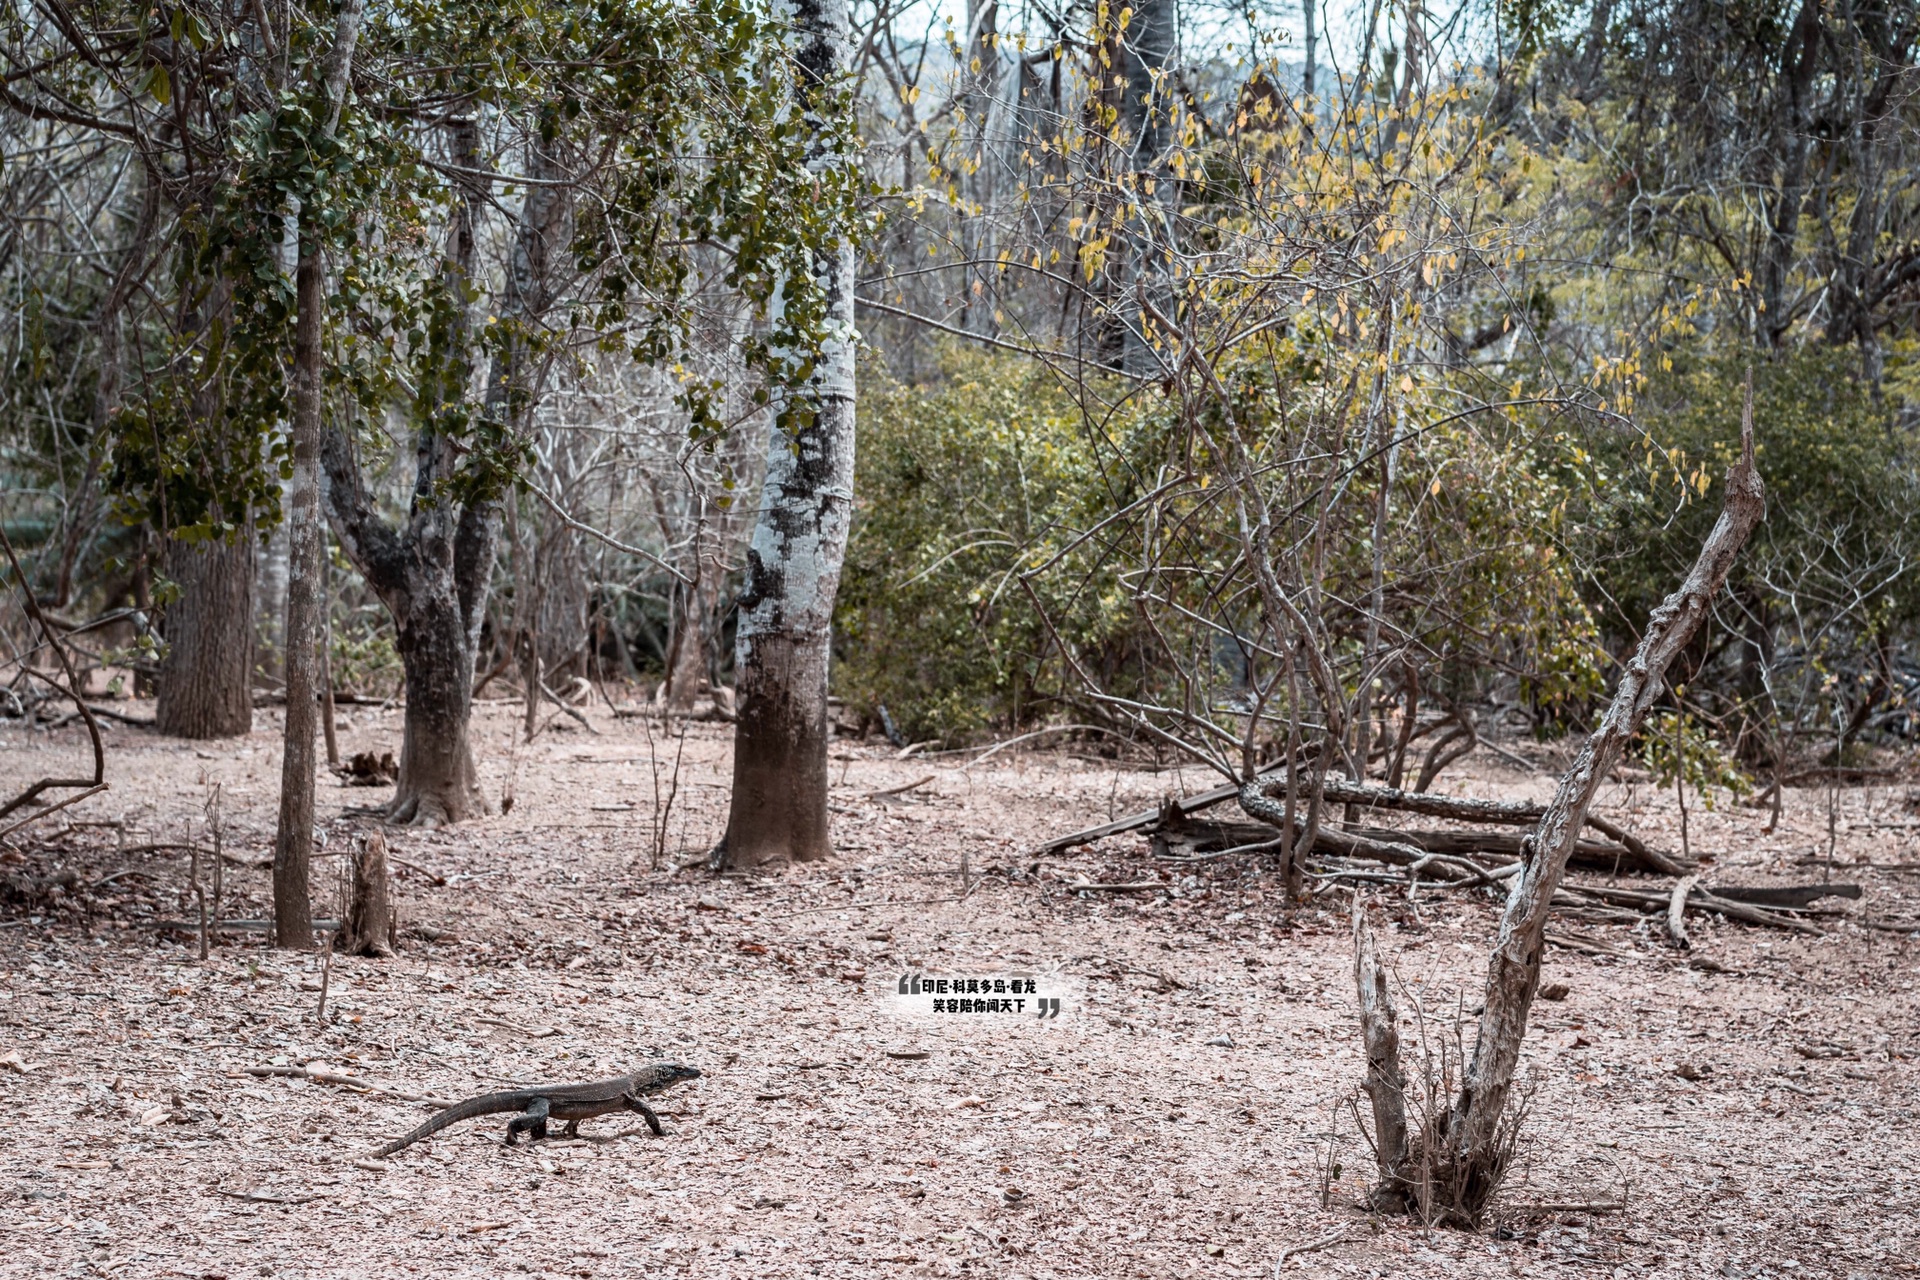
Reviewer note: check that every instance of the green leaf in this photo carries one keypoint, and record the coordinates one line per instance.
(157, 84)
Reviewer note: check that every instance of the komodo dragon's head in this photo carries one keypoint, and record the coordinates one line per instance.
(659, 1075)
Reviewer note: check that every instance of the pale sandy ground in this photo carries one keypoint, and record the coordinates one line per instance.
(139, 1147)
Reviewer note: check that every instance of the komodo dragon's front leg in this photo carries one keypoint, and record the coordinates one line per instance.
(634, 1103)
(535, 1119)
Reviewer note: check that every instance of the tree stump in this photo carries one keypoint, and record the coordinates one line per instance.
(371, 925)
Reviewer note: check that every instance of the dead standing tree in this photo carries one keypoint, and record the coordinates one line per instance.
(1469, 1157)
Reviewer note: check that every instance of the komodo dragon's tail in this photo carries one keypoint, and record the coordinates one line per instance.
(485, 1105)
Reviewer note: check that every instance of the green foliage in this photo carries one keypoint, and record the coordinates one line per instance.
(993, 468)
(1678, 748)
(365, 661)
(1843, 498)
(685, 152)
(961, 485)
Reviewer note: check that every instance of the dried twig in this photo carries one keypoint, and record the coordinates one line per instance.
(326, 974)
(1677, 912)
(915, 785)
(1312, 1246)
(344, 1080)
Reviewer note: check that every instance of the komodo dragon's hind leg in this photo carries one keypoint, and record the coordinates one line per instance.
(572, 1130)
(646, 1113)
(534, 1119)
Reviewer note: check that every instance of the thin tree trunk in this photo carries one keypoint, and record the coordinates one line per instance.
(327, 727)
(687, 649)
(293, 840)
(779, 802)
(1310, 42)
(206, 679)
(1474, 1153)
(694, 601)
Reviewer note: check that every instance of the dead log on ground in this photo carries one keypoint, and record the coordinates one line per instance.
(1792, 897)
(1698, 901)
(1501, 812)
(1193, 840)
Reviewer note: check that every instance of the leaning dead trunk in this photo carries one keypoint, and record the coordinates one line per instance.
(779, 803)
(206, 679)
(1471, 1153)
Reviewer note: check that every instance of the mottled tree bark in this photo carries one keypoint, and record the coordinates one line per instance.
(206, 679)
(293, 839)
(779, 802)
(434, 574)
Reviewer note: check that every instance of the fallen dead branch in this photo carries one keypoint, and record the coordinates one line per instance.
(1145, 818)
(52, 808)
(1210, 839)
(1586, 947)
(1170, 824)
(1569, 1206)
(1312, 1246)
(1698, 901)
(1790, 897)
(348, 1081)
(915, 785)
(1677, 912)
(1499, 812)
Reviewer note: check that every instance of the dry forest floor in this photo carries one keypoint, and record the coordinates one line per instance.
(1754, 1101)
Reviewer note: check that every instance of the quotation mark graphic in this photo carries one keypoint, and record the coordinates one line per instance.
(913, 984)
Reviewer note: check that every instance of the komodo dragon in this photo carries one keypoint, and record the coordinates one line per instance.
(570, 1102)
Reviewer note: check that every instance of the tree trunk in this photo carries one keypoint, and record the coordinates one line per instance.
(779, 802)
(438, 781)
(1473, 1151)
(435, 574)
(206, 679)
(687, 646)
(1310, 41)
(694, 602)
(293, 839)
(270, 597)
